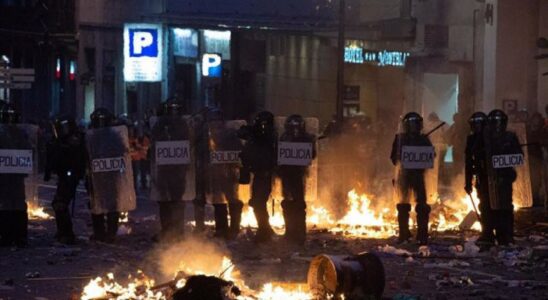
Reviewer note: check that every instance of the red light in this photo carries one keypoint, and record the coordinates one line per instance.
(72, 70)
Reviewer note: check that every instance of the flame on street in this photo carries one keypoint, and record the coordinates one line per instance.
(36, 212)
(141, 287)
(367, 219)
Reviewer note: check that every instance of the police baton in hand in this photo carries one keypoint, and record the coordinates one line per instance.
(436, 128)
(474, 206)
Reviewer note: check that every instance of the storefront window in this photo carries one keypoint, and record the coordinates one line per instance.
(217, 42)
(185, 42)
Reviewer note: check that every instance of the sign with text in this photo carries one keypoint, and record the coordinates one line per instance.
(294, 154)
(109, 164)
(172, 153)
(16, 161)
(508, 161)
(143, 52)
(212, 65)
(417, 157)
(225, 157)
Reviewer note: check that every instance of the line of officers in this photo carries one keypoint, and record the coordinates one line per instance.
(488, 138)
(73, 157)
(100, 157)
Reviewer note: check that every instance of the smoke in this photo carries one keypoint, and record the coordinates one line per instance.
(192, 256)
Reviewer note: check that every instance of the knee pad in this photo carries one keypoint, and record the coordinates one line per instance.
(238, 204)
(406, 207)
(422, 208)
(59, 205)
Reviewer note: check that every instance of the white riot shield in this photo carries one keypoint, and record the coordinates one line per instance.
(31, 181)
(298, 155)
(222, 171)
(172, 160)
(522, 194)
(18, 154)
(111, 174)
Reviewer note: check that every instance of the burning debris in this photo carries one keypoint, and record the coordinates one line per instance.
(208, 274)
(36, 212)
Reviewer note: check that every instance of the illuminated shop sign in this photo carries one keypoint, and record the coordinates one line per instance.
(356, 55)
(143, 52)
(212, 65)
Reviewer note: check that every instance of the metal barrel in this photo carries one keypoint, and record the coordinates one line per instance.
(352, 277)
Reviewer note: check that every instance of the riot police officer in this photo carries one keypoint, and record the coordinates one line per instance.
(476, 174)
(66, 157)
(499, 141)
(170, 179)
(293, 179)
(110, 175)
(223, 172)
(259, 157)
(13, 208)
(411, 180)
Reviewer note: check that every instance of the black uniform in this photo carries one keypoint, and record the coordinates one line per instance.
(259, 157)
(411, 180)
(223, 180)
(202, 157)
(294, 183)
(501, 181)
(66, 157)
(475, 172)
(171, 179)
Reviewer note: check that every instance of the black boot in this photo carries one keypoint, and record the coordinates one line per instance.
(20, 228)
(5, 225)
(423, 215)
(178, 220)
(299, 214)
(199, 217)
(99, 230)
(264, 232)
(221, 220)
(505, 227)
(289, 218)
(403, 222)
(487, 237)
(113, 218)
(64, 235)
(235, 211)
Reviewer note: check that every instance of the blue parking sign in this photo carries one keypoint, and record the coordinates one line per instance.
(143, 42)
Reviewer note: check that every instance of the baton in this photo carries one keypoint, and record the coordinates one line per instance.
(474, 206)
(436, 128)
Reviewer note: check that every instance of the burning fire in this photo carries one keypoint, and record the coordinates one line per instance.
(36, 212)
(365, 220)
(143, 288)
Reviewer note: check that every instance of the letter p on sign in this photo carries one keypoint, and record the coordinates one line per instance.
(211, 65)
(143, 42)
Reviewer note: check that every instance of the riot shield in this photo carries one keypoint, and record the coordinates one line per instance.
(111, 174)
(172, 160)
(292, 157)
(414, 161)
(431, 176)
(522, 194)
(222, 171)
(32, 180)
(17, 162)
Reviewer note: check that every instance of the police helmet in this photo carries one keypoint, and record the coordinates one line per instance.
(8, 114)
(498, 120)
(101, 117)
(172, 107)
(295, 125)
(412, 122)
(64, 126)
(477, 121)
(263, 122)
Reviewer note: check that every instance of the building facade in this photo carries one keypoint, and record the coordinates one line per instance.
(437, 56)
